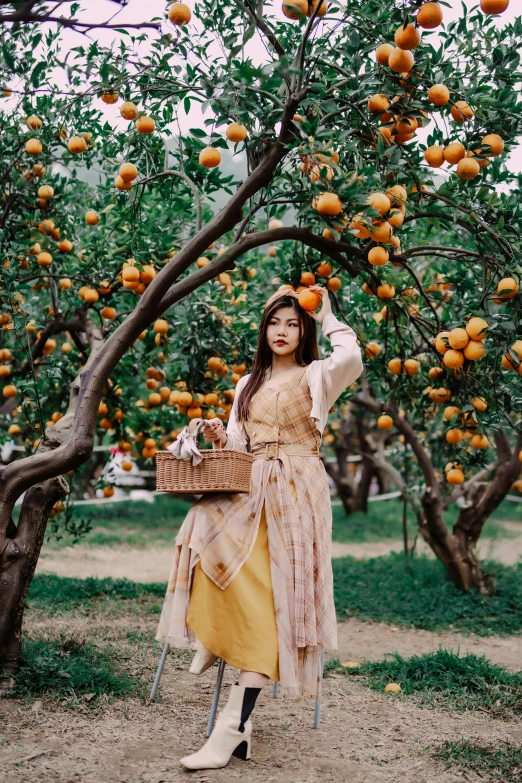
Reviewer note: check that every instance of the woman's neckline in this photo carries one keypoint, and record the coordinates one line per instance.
(284, 383)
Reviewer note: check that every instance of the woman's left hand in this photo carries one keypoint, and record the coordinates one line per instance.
(326, 305)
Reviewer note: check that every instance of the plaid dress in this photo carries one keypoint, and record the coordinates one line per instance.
(220, 530)
(299, 522)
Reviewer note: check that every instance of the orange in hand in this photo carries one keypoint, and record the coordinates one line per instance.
(309, 300)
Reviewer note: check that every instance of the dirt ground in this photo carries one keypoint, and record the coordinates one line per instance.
(152, 564)
(364, 736)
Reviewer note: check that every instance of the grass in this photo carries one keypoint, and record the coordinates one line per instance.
(384, 521)
(139, 523)
(418, 593)
(502, 763)
(414, 593)
(444, 679)
(67, 669)
(57, 593)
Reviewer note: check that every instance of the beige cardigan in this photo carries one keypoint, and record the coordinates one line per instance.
(327, 379)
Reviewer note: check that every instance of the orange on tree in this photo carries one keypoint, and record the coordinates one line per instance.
(400, 60)
(479, 403)
(455, 476)
(378, 256)
(461, 111)
(236, 132)
(33, 122)
(453, 359)
(411, 366)
(429, 16)
(372, 350)
(324, 269)
(380, 231)
(454, 436)
(76, 145)
(507, 288)
(307, 278)
(121, 184)
(479, 442)
(65, 246)
(160, 326)
(493, 6)
(476, 328)
(33, 147)
(44, 258)
(210, 157)
(450, 411)
(398, 195)
(379, 202)
(396, 219)
(9, 391)
(385, 422)
(454, 152)
(92, 218)
(434, 156)
(383, 52)
(145, 125)
(128, 172)
(458, 338)
(295, 9)
(334, 284)
(386, 291)
(321, 5)
(438, 94)
(378, 103)
(395, 366)
(468, 168)
(179, 14)
(474, 350)
(129, 110)
(495, 144)
(328, 204)
(408, 37)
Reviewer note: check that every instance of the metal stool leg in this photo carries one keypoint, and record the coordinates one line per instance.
(160, 671)
(215, 699)
(317, 714)
(276, 690)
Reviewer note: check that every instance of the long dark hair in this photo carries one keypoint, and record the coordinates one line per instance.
(306, 351)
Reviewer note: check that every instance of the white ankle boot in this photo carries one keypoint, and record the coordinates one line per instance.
(202, 659)
(225, 738)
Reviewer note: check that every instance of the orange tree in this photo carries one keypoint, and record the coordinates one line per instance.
(328, 105)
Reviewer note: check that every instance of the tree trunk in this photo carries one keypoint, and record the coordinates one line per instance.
(18, 560)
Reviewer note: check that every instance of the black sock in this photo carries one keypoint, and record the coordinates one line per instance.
(249, 701)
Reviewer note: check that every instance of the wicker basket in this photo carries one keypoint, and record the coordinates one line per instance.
(222, 470)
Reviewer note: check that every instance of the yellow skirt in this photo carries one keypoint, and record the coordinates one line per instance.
(238, 624)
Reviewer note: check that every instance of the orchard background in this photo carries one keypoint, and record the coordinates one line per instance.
(163, 169)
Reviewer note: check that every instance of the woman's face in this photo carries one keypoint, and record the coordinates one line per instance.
(282, 332)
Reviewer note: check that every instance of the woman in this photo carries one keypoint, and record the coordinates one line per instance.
(251, 581)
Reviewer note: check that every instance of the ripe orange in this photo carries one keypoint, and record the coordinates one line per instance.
(383, 52)
(108, 313)
(44, 258)
(378, 103)
(274, 223)
(439, 94)
(236, 132)
(453, 359)
(109, 97)
(378, 256)
(128, 172)
(90, 295)
(381, 231)
(65, 246)
(9, 390)
(145, 124)
(210, 157)
(411, 366)
(507, 288)
(33, 146)
(185, 398)
(455, 476)
(474, 350)
(385, 422)
(468, 168)
(372, 350)
(396, 219)
(128, 110)
(493, 6)
(495, 143)
(295, 9)
(397, 195)
(454, 436)
(451, 411)
(476, 328)
(479, 403)
(130, 274)
(334, 284)
(160, 326)
(76, 144)
(454, 152)
(385, 291)
(395, 366)
(33, 122)
(461, 111)
(45, 191)
(408, 37)
(400, 60)
(309, 300)
(458, 338)
(379, 202)
(479, 442)
(328, 204)
(434, 156)
(358, 227)
(324, 270)
(406, 125)
(121, 184)
(441, 342)
(307, 278)
(179, 14)
(92, 218)
(429, 16)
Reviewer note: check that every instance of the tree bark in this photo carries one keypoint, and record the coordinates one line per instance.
(18, 559)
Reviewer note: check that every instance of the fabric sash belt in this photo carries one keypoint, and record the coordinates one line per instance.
(282, 451)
